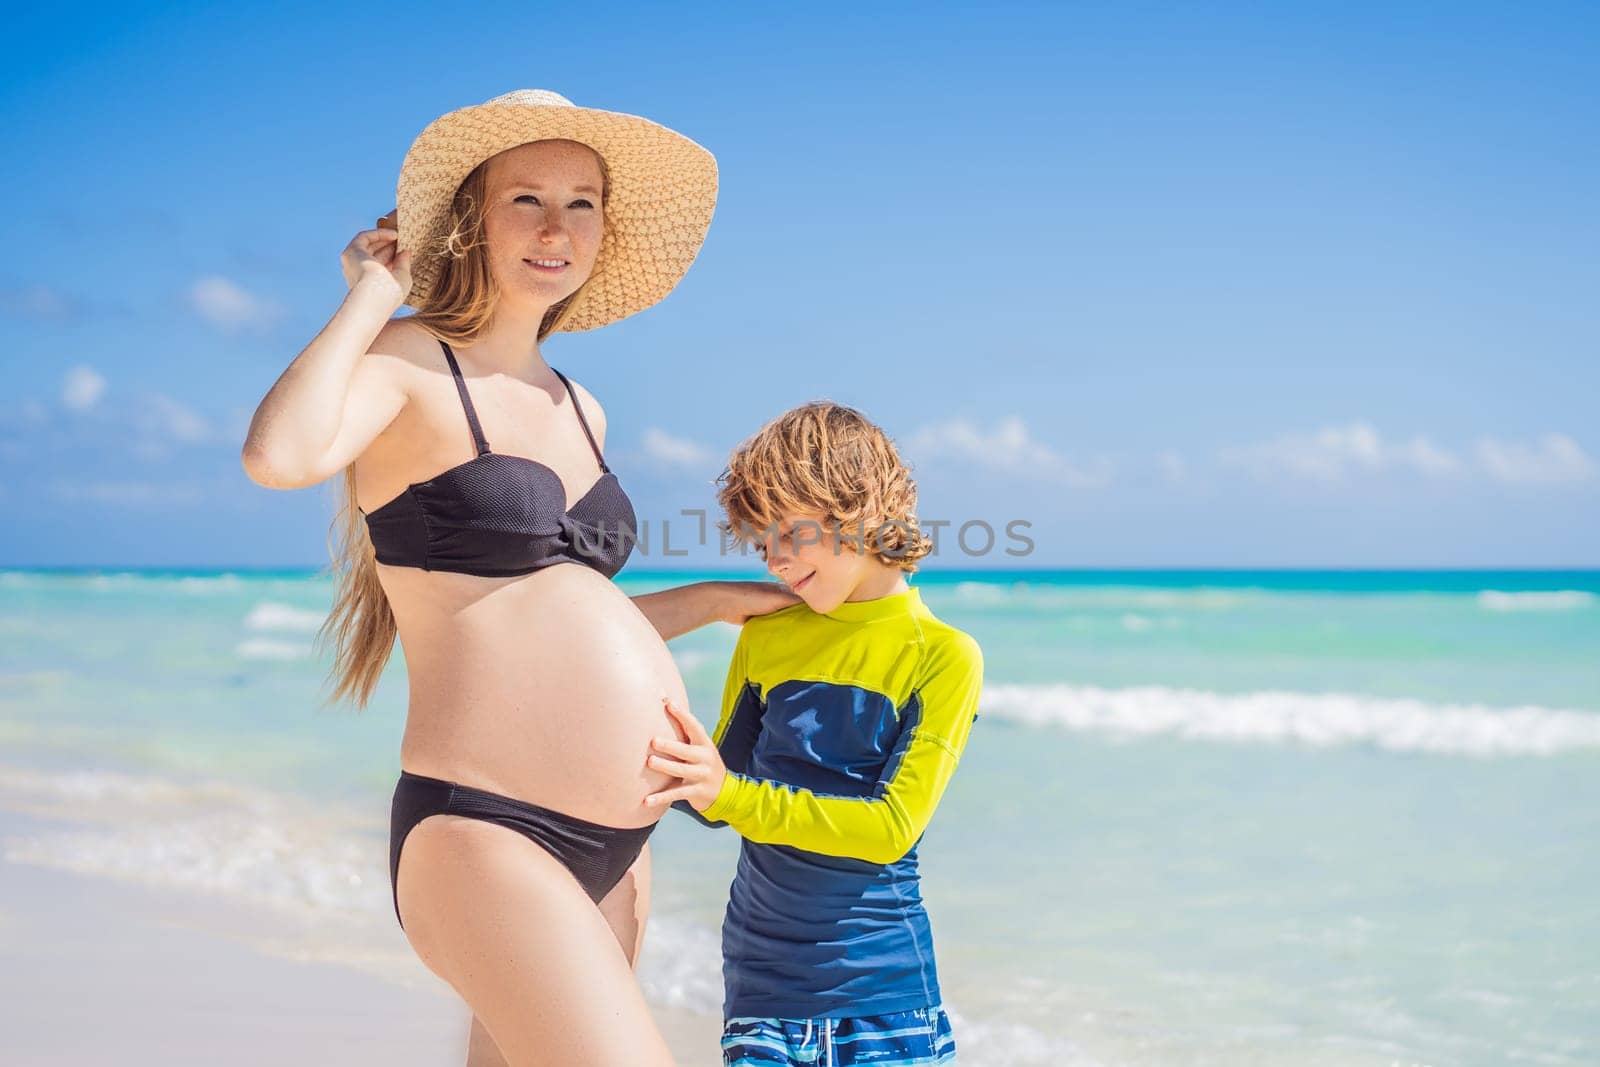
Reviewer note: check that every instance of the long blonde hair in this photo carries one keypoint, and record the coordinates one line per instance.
(361, 626)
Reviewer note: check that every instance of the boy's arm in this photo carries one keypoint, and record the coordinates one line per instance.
(739, 724)
(882, 827)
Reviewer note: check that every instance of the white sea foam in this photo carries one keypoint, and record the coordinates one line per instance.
(261, 648)
(691, 659)
(1553, 600)
(114, 790)
(982, 592)
(270, 615)
(35, 679)
(1032, 596)
(115, 582)
(220, 853)
(327, 865)
(1138, 624)
(137, 582)
(681, 965)
(1318, 720)
(1007, 1044)
(207, 837)
(220, 583)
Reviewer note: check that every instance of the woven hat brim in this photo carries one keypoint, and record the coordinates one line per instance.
(663, 190)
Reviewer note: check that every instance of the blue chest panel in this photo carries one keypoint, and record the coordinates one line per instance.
(826, 737)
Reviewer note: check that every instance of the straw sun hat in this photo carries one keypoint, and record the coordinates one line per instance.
(663, 189)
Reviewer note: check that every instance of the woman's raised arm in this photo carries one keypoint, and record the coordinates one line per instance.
(332, 402)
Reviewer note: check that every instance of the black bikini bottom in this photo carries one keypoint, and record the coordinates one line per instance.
(598, 856)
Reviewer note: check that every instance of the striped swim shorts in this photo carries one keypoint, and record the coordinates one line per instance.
(900, 1039)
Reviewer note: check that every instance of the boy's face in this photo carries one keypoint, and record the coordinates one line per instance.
(805, 554)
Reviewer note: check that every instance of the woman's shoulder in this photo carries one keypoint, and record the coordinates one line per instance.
(407, 342)
(406, 356)
(592, 411)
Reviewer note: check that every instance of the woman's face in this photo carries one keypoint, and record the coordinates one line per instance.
(805, 553)
(543, 222)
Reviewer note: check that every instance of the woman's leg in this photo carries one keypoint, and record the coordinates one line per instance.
(625, 910)
(505, 924)
(627, 907)
(481, 1049)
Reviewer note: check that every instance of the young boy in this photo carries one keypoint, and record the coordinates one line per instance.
(843, 718)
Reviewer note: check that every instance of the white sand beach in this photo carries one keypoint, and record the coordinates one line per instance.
(96, 971)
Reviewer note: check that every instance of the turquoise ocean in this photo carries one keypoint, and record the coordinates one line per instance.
(1220, 817)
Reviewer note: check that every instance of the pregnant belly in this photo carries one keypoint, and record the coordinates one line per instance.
(546, 688)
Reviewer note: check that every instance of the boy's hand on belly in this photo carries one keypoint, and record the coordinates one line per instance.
(695, 762)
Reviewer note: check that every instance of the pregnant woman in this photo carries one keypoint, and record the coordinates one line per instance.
(481, 527)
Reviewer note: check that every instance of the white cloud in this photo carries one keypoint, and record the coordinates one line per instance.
(177, 421)
(225, 304)
(676, 451)
(36, 302)
(1334, 452)
(1173, 467)
(1008, 447)
(125, 493)
(1555, 458)
(145, 425)
(1422, 456)
(160, 423)
(82, 389)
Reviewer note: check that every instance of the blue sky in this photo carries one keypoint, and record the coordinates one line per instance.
(1253, 285)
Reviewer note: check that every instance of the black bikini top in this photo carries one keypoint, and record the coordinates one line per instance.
(497, 515)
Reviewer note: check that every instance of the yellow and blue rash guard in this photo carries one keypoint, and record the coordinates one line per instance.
(840, 732)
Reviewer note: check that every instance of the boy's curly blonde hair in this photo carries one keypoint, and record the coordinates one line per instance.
(827, 459)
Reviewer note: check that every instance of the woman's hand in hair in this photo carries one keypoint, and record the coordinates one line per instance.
(372, 259)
